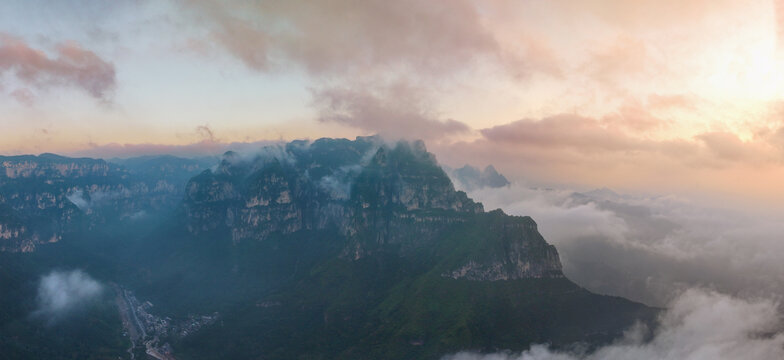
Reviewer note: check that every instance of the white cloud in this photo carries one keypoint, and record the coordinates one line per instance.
(61, 292)
(77, 198)
(699, 325)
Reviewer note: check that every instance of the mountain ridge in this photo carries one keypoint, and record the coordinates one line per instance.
(362, 263)
(331, 248)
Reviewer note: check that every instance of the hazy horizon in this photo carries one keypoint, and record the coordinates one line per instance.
(659, 96)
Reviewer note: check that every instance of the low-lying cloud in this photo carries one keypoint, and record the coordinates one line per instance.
(86, 201)
(204, 148)
(62, 292)
(699, 325)
(648, 248)
(78, 199)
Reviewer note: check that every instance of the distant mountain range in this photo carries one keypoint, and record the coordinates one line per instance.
(44, 197)
(326, 249)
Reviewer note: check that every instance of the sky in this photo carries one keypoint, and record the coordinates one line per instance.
(665, 96)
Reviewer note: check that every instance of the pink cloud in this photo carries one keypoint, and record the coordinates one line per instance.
(73, 66)
(346, 37)
(728, 146)
(24, 96)
(672, 101)
(563, 131)
(396, 111)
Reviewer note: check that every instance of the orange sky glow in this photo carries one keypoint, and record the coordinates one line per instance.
(645, 96)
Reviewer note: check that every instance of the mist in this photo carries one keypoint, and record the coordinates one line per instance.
(717, 271)
(651, 248)
(698, 325)
(61, 293)
(78, 199)
(90, 200)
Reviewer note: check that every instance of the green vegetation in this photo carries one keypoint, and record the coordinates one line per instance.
(93, 331)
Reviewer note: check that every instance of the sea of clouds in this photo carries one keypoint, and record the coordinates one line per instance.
(717, 271)
(652, 248)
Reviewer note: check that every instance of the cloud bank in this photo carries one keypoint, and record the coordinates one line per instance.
(347, 36)
(630, 148)
(699, 325)
(358, 53)
(62, 292)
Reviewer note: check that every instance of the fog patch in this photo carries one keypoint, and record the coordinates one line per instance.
(699, 325)
(338, 184)
(78, 199)
(271, 153)
(61, 293)
(258, 157)
(101, 197)
(141, 214)
(86, 201)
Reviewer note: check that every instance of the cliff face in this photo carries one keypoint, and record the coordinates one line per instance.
(379, 197)
(51, 166)
(44, 197)
(280, 190)
(512, 249)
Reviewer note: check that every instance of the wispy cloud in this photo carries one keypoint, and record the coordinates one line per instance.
(339, 37)
(397, 111)
(73, 66)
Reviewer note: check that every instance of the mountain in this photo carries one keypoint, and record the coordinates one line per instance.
(359, 250)
(171, 169)
(470, 178)
(59, 213)
(335, 248)
(46, 197)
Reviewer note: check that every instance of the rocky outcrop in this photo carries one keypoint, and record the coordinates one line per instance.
(515, 250)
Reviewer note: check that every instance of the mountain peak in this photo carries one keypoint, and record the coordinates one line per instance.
(470, 178)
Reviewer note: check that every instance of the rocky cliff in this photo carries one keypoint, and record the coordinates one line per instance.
(380, 197)
(44, 197)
